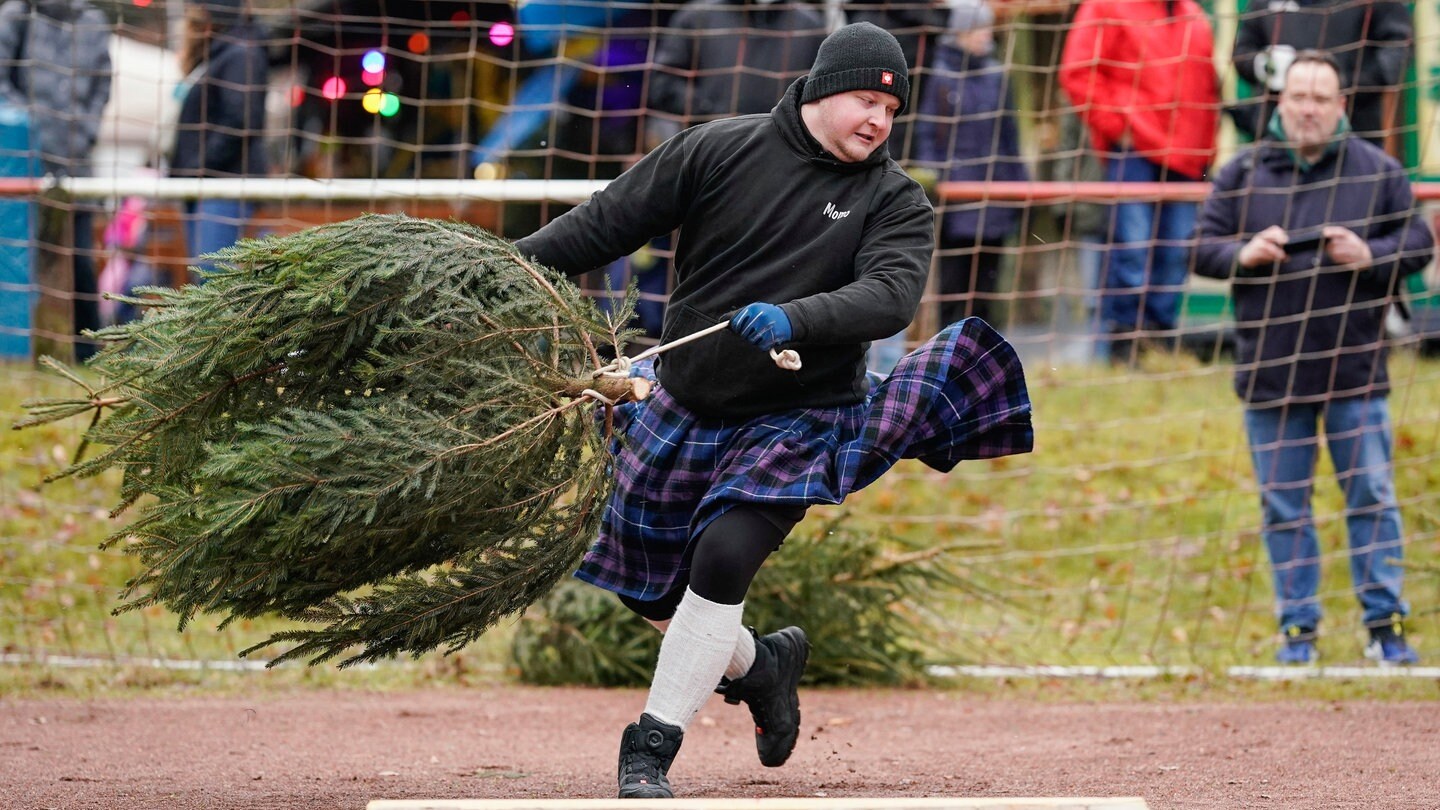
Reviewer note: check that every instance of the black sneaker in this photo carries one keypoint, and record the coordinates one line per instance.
(646, 750)
(1125, 349)
(771, 690)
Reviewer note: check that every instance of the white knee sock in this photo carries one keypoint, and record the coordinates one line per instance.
(740, 661)
(744, 656)
(697, 647)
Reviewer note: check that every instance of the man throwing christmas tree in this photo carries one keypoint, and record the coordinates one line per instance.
(798, 229)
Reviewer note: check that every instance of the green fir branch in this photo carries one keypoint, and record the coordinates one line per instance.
(357, 426)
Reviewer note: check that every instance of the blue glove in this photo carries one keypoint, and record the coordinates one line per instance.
(765, 325)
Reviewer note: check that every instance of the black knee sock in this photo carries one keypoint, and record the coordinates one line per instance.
(729, 553)
(725, 558)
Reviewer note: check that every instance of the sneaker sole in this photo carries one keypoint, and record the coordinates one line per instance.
(1379, 658)
(646, 792)
(1385, 663)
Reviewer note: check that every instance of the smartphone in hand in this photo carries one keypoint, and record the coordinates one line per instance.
(1304, 242)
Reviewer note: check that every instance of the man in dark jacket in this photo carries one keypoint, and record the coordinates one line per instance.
(966, 131)
(1314, 229)
(719, 58)
(795, 229)
(55, 65)
(1370, 42)
(221, 129)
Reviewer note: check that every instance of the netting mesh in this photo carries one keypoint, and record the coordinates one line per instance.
(1131, 535)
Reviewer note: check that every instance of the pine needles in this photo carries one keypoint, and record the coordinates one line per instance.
(355, 426)
(877, 607)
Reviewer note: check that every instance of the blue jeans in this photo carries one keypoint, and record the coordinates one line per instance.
(212, 225)
(1283, 445)
(1149, 254)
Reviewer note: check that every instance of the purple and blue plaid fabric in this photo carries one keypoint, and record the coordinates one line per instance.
(959, 396)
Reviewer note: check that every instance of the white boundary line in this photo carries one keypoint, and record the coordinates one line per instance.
(79, 662)
(1043, 671)
(1347, 673)
(1268, 673)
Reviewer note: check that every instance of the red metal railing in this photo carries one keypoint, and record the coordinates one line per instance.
(1052, 191)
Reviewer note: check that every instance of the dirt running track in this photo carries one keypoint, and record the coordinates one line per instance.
(317, 750)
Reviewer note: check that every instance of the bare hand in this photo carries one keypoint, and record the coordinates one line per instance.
(1344, 246)
(1266, 247)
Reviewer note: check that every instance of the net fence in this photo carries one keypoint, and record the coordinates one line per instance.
(1132, 535)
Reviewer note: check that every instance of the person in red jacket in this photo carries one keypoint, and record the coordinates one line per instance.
(1141, 76)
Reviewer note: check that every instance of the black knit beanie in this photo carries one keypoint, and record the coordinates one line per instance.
(860, 56)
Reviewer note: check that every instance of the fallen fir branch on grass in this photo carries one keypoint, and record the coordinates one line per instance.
(879, 607)
(374, 427)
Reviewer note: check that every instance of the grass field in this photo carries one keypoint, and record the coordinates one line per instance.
(1131, 534)
(1128, 537)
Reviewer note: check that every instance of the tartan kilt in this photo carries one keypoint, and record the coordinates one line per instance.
(959, 396)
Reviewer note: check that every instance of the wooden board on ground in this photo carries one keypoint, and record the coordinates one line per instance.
(808, 803)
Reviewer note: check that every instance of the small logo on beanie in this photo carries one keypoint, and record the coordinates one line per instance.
(887, 78)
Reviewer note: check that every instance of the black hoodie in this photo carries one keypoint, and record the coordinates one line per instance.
(764, 214)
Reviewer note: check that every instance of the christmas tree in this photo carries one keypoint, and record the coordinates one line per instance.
(377, 427)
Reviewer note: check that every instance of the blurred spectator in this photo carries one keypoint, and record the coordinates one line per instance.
(719, 58)
(715, 59)
(1313, 229)
(1140, 74)
(126, 264)
(966, 131)
(916, 24)
(1370, 41)
(220, 132)
(57, 68)
(1082, 223)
